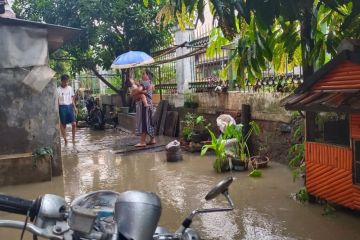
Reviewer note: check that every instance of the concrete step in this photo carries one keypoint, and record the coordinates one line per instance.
(21, 169)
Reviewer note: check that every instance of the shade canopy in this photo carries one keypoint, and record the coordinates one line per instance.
(132, 59)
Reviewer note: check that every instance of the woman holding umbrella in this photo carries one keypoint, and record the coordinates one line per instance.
(144, 123)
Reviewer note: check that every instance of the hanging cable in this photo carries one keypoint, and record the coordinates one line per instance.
(25, 224)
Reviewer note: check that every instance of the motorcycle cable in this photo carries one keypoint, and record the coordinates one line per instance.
(25, 224)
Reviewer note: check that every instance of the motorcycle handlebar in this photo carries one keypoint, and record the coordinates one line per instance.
(19, 206)
(31, 228)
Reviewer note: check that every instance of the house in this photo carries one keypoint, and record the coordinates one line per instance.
(331, 99)
(28, 107)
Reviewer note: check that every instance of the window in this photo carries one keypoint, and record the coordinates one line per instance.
(356, 168)
(331, 128)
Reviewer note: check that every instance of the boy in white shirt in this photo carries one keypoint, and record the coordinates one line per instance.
(67, 107)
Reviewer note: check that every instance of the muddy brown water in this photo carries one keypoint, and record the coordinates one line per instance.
(264, 206)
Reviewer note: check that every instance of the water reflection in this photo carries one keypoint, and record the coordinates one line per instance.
(263, 208)
(261, 226)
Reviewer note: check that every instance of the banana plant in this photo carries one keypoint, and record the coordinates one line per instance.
(236, 131)
(218, 146)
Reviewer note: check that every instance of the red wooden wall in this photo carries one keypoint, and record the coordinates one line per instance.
(329, 174)
(329, 170)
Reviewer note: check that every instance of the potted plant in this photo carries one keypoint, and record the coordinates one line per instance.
(221, 163)
(261, 160)
(200, 131)
(195, 128)
(188, 127)
(186, 134)
(241, 153)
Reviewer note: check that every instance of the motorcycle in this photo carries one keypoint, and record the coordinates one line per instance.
(103, 215)
(95, 118)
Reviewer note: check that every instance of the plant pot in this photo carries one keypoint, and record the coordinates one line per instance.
(239, 165)
(205, 136)
(196, 137)
(187, 104)
(225, 167)
(259, 161)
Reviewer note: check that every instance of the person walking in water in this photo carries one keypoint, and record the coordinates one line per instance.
(67, 107)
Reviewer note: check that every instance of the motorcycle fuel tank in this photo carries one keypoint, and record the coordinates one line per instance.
(137, 214)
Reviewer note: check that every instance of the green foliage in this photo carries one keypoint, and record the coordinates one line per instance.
(217, 40)
(82, 114)
(303, 32)
(236, 131)
(193, 123)
(37, 153)
(255, 173)
(109, 28)
(296, 162)
(186, 133)
(218, 145)
(328, 209)
(168, 73)
(116, 81)
(302, 195)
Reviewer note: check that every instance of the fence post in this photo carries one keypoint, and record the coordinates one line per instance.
(184, 67)
(245, 120)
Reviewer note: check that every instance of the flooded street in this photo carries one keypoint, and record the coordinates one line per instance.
(263, 207)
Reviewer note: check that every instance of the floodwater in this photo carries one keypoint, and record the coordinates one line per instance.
(264, 208)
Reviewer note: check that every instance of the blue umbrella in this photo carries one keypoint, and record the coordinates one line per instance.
(131, 59)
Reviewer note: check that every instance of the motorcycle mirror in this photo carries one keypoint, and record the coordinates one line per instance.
(221, 187)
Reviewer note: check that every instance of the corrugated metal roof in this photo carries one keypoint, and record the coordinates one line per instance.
(324, 101)
(57, 35)
(334, 87)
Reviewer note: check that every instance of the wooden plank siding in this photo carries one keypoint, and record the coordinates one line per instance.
(345, 76)
(329, 174)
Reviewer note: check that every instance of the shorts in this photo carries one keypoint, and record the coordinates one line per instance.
(67, 114)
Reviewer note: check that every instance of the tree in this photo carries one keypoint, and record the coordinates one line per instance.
(109, 28)
(265, 27)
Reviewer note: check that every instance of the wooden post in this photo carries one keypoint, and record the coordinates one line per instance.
(245, 120)
(160, 82)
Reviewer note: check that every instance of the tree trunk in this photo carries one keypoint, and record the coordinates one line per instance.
(104, 80)
(120, 92)
(307, 46)
(307, 42)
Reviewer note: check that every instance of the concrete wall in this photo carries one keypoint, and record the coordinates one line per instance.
(264, 106)
(277, 125)
(26, 171)
(28, 119)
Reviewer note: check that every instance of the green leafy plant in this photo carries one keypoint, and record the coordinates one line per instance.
(236, 131)
(255, 173)
(38, 153)
(186, 133)
(328, 209)
(297, 163)
(218, 145)
(194, 124)
(302, 195)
